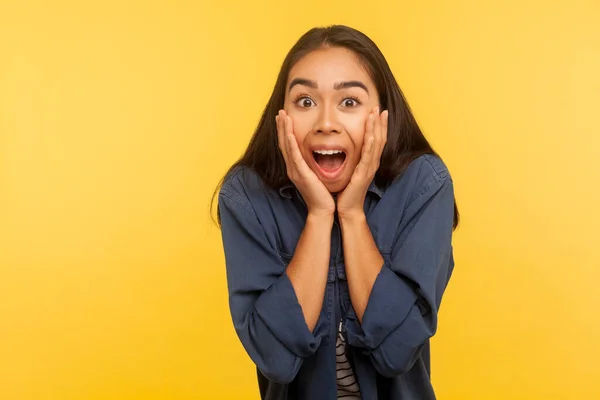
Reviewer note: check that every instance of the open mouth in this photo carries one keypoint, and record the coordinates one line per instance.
(330, 162)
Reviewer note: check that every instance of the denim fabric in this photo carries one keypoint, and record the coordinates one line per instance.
(411, 223)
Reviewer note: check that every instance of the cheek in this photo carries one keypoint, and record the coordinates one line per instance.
(300, 129)
(300, 124)
(357, 134)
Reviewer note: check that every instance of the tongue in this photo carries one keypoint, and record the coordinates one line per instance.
(330, 162)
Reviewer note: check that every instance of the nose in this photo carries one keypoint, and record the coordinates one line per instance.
(327, 122)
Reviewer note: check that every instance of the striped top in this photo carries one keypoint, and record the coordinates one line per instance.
(347, 386)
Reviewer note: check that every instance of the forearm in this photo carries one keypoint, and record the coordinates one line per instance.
(309, 267)
(363, 260)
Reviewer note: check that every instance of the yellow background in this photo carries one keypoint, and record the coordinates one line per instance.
(118, 118)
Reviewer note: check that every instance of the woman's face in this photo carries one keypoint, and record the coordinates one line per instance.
(329, 96)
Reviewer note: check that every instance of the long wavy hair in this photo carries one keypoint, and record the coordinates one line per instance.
(405, 140)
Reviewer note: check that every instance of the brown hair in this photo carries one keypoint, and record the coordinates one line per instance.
(405, 140)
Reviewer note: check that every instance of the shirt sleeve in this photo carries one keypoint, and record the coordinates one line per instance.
(266, 313)
(401, 313)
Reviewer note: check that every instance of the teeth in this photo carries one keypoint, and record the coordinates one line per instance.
(328, 152)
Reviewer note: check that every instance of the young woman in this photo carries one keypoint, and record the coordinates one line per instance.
(337, 225)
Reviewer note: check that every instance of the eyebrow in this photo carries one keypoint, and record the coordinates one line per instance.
(336, 86)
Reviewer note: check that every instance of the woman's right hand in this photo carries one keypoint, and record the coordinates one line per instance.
(316, 196)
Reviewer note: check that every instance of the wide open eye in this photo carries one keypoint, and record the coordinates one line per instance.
(350, 102)
(304, 102)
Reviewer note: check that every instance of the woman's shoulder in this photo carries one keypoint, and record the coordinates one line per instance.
(242, 182)
(429, 166)
(421, 175)
(240, 178)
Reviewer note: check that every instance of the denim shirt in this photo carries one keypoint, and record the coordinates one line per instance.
(411, 222)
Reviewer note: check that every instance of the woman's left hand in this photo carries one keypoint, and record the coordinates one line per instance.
(350, 203)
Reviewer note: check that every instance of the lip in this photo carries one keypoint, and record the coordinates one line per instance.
(328, 175)
(328, 147)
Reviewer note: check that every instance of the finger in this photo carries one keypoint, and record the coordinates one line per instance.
(293, 162)
(281, 135)
(295, 155)
(366, 161)
(299, 165)
(378, 134)
(370, 135)
(286, 138)
(369, 126)
(384, 135)
(384, 126)
(368, 145)
(293, 149)
(284, 134)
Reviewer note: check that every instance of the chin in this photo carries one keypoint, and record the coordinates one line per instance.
(336, 187)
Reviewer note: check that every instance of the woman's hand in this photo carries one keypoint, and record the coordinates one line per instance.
(351, 201)
(316, 196)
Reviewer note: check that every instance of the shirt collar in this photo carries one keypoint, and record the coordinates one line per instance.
(287, 190)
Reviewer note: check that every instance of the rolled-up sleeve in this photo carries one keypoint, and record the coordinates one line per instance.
(401, 313)
(265, 310)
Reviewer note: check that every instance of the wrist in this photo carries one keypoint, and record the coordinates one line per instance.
(320, 218)
(352, 217)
